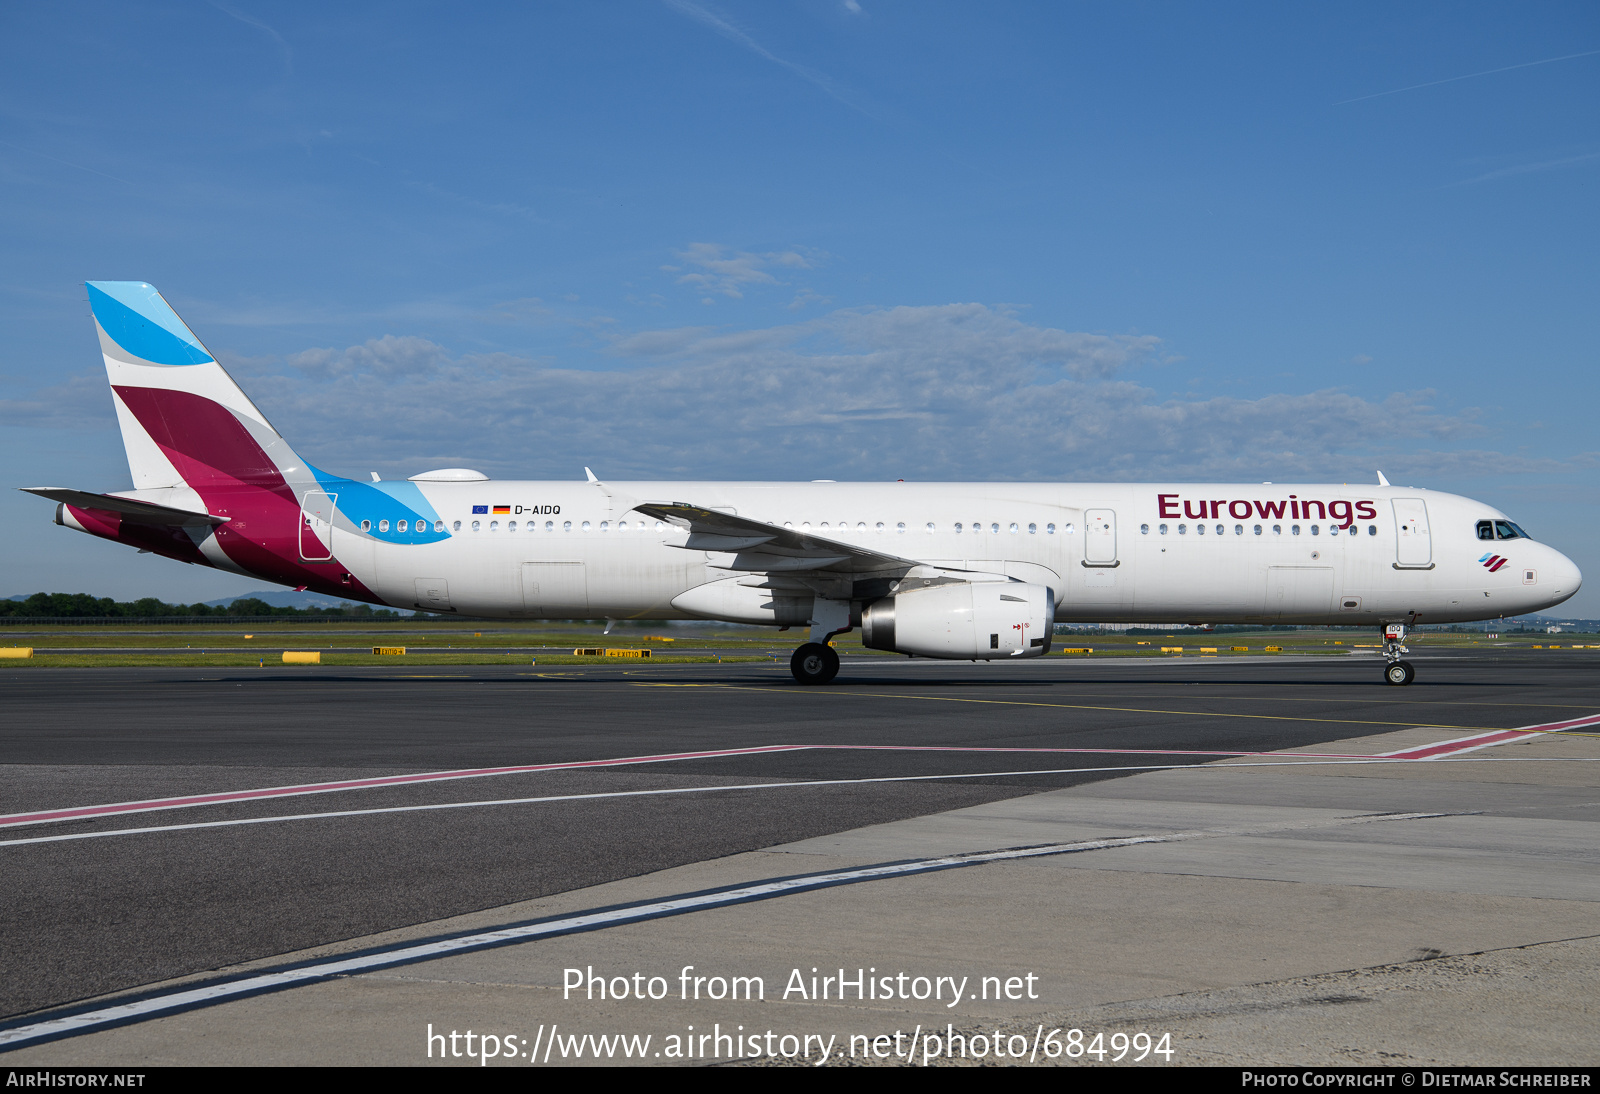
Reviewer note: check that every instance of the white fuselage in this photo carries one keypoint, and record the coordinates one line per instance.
(1108, 551)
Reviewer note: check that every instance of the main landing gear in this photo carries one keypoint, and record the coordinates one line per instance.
(814, 663)
(1395, 671)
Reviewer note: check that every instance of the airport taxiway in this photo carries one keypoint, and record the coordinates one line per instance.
(1239, 881)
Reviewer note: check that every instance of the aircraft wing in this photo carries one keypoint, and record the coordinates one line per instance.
(139, 512)
(754, 546)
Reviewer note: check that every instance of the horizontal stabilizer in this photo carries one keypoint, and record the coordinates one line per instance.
(140, 512)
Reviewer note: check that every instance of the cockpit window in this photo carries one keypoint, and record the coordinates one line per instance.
(1500, 529)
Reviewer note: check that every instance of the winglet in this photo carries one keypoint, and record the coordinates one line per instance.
(590, 474)
(1381, 480)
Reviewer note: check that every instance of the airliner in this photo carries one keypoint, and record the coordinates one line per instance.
(958, 571)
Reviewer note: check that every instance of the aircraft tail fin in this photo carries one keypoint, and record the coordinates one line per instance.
(184, 421)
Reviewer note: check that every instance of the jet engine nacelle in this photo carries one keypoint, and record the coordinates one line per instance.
(978, 621)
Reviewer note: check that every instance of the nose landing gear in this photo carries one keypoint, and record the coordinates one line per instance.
(1395, 671)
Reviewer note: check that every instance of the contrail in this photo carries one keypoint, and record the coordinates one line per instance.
(1468, 76)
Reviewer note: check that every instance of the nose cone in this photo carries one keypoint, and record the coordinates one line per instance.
(1561, 578)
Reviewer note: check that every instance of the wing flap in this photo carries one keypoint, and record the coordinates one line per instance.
(758, 547)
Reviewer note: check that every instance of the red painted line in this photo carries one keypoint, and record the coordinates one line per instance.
(1494, 737)
(233, 796)
(13, 819)
(228, 797)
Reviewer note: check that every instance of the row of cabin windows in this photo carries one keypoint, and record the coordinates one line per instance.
(975, 528)
(1277, 529)
(400, 526)
(623, 526)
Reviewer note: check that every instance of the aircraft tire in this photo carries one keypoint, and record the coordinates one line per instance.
(814, 663)
(1399, 673)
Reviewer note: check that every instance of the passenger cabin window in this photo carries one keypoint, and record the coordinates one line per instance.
(456, 527)
(1183, 529)
(475, 526)
(401, 527)
(1372, 529)
(1258, 529)
(1144, 529)
(1162, 528)
(1238, 529)
(1049, 529)
(494, 526)
(366, 526)
(511, 526)
(383, 526)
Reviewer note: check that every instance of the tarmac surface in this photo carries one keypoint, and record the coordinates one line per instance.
(1199, 892)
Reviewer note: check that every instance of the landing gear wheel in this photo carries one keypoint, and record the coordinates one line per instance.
(1400, 673)
(814, 663)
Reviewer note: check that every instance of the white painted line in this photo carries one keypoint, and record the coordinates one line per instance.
(689, 790)
(86, 812)
(229, 797)
(191, 998)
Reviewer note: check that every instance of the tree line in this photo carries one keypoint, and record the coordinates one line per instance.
(82, 605)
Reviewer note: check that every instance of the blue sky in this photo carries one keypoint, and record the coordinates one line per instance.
(817, 239)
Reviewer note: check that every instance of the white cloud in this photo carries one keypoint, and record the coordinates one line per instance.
(953, 392)
(388, 357)
(949, 392)
(712, 268)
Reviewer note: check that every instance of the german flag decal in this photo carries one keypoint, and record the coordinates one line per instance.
(502, 509)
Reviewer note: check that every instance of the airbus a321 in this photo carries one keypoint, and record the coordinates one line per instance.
(961, 571)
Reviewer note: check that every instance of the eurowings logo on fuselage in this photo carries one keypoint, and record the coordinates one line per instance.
(1344, 510)
(1492, 562)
